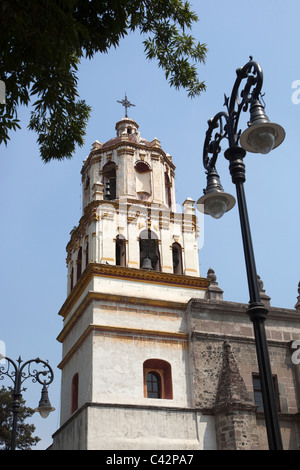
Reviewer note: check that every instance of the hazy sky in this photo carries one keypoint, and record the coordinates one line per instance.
(40, 204)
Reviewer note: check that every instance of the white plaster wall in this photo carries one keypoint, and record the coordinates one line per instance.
(73, 435)
(140, 317)
(153, 429)
(81, 363)
(121, 428)
(85, 319)
(118, 369)
(78, 302)
(146, 290)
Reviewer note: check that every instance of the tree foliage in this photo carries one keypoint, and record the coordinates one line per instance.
(42, 42)
(24, 439)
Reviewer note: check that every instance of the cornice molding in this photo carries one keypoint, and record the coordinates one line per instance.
(235, 339)
(124, 147)
(157, 277)
(225, 307)
(110, 298)
(132, 274)
(124, 333)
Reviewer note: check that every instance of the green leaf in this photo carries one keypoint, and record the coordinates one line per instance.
(41, 44)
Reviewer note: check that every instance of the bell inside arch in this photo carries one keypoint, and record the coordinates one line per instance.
(147, 264)
(107, 190)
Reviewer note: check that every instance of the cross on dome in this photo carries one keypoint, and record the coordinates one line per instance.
(126, 104)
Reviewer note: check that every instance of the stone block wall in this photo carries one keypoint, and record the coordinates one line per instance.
(212, 323)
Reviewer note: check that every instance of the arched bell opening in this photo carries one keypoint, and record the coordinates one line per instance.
(110, 181)
(149, 251)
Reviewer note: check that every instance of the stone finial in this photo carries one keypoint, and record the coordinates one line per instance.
(96, 145)
(264, 297)
(260, 284)
(297, 306)
(212, 276)
(155, 142)
(188, 206)
(213, 292)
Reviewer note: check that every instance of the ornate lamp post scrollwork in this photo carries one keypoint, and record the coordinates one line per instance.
(18, 373)
(261, 136)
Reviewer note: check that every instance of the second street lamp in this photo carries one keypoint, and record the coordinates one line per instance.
(18, 373)
(261, 136)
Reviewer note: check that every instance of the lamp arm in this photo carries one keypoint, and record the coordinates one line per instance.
(251, 71)
(256, 78)
(213, 146)
(18, 375)
(13, 375)
(35, 374)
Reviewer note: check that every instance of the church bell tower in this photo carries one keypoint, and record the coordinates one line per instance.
(132, 268)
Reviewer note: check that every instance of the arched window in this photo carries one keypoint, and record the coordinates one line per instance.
(149, 251)
(153, 385)
(79, 263)
(74, 393)
(120, 251)
(72, 279)
(86, 253)
(86, 189)
(168, 191)
(109, 180)
(143, 180)
(157, 379)
(177, 258)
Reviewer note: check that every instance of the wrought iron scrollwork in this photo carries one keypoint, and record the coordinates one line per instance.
(225, 124)
(19, 373)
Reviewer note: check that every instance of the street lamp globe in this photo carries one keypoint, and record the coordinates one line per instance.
(215, 202)
(216, 206)
(261, 136)
(44, 407)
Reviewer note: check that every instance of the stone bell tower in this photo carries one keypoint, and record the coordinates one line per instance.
(132, 268)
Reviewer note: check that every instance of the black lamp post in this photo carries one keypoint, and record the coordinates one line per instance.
(18, 374)
(261, 136)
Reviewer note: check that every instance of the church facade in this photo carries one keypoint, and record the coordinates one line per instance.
(152, 356)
